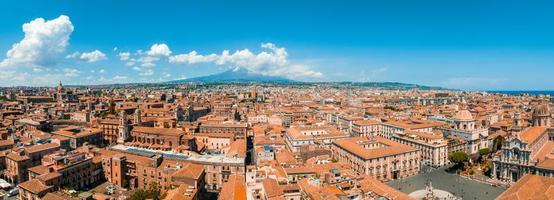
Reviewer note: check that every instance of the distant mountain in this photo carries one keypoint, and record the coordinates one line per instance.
(236, 75)
(392, 85)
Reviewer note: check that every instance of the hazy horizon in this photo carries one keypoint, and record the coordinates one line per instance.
(468, 45)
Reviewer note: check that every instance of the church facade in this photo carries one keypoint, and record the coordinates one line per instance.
(530, 151)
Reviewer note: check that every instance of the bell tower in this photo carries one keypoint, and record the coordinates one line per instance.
(137, 118)
(123, 133)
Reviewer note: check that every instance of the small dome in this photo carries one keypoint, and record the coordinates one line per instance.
(541, 110)
(463, 115)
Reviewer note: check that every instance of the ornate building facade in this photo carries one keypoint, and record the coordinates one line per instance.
(530, 151)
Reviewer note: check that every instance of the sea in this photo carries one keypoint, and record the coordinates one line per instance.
(520, 92)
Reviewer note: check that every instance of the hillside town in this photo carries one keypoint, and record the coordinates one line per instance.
(268, 141)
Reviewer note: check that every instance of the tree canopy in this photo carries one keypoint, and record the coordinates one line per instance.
(459, 157)
(153, 192)
(484, 151)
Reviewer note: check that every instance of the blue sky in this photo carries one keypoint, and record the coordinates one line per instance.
(456, 44)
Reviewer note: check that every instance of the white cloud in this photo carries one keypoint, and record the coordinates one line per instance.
(123, 56)
(90, 57)
(68, 72)
(93, 56)
(159, 50)
(193, 58)
(147, 65)
(272, 62)
(130, 63)
(73, 55)
(119, 77)
(101, 71)
(148, 61)
(43, 43)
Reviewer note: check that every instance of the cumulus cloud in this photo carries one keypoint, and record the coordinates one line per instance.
(43, 43)
(159, 50)
(123, 56)
(272, 60)
(93, 56)
(193, 58)
(148, 61)
(73, 55)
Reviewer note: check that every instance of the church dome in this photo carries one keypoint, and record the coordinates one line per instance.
(463, 115)
(541, 110)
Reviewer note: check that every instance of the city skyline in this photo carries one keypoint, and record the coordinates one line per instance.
(459, 45)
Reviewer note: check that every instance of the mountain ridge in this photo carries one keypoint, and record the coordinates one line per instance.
(242, 75)
(236, 75)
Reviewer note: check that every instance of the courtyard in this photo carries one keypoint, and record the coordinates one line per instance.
(458, 186)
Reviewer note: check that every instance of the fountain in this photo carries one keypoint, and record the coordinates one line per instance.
(429, 193)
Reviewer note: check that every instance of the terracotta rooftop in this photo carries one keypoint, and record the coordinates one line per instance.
(531, 134)
(415, 124)
(237, 148)
(6, 142)
(297, 133)
(16, 157)
(215, 135)
(39, 169)
(366, 122)
(370, 184)
(77, 131)
(49, 176)
(190, 170)
(353, 146)
(42, 147)
(34, 186)
(272, 188)
(183, 192)
(145, 161)
(316, 192)
(53, 196)
(530, 187)
(285, 157)
(234, 188)
(158, 131)
(547, 163)
(217, 125)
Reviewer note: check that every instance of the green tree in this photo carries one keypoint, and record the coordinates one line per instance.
(139, 194)
(153, 192)
(484, 153)
(459, 158)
